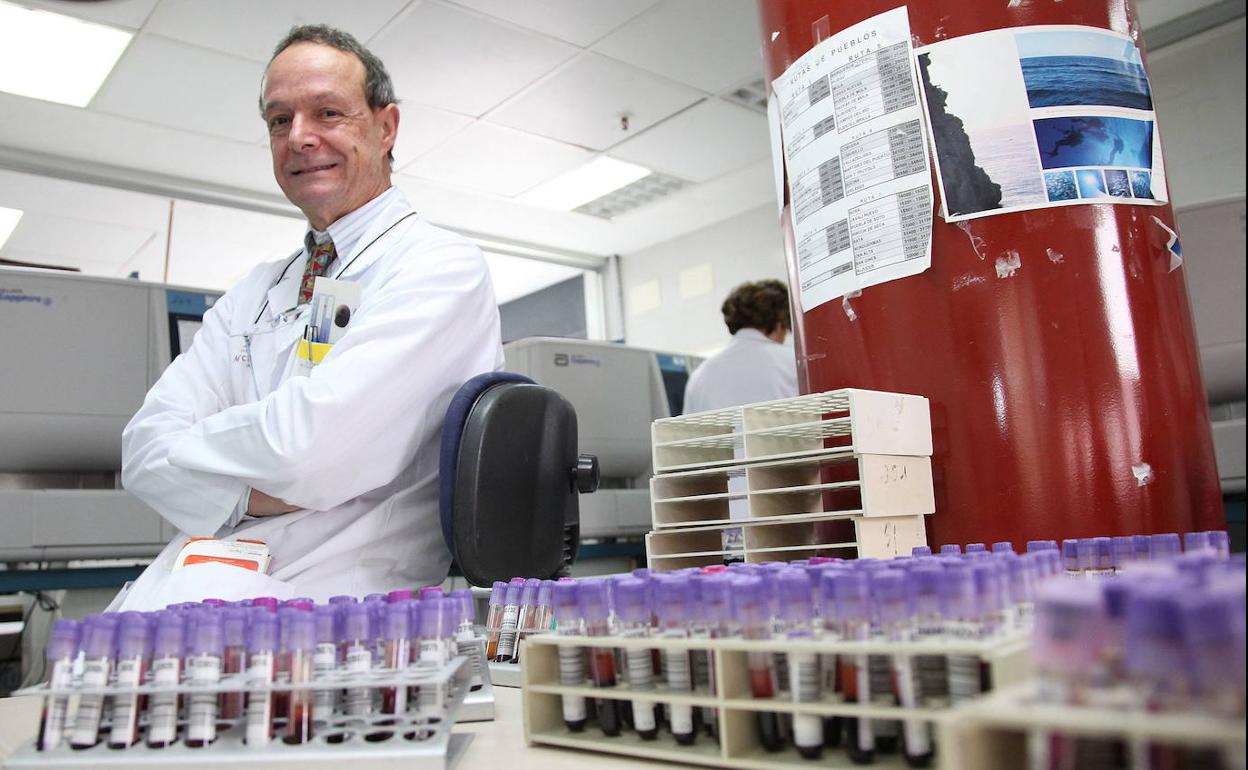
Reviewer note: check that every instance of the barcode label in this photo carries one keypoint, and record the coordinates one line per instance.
(90, 707)
(162, 710)
(572, 674)
(804, 676)
(507, 634)
(54, 724)
(125, 713)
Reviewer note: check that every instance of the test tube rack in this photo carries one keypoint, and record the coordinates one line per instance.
(795, 466)
(994, 731)
(412, 740)
(738, 745)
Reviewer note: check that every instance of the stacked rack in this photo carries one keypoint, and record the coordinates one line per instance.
(796, 466)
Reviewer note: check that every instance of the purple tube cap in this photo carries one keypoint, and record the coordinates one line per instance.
(63, 641)
(1164, 546)
(632, 603)
(976, 548)
(498, 592)
(267, 602)
(528, 596)
(301, 633)
(134, 636)
(951, 549)
(921, 550)
(430, 591)
(355, 623)
(1003, 546)
(262, 632)
(397, 623)
(592, 598)
(564, 596)
(399, 594)
(673, 599)
(170, 635)
(1196, 541)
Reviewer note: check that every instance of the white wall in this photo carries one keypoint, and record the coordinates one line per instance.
(1198, 90)
(707, 264)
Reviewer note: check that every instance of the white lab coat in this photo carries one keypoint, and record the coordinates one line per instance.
(355, 444)
(752, 368)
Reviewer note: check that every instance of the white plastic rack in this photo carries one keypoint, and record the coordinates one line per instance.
(994, 731)
(795, 466)
(738, 744)
(416, 739)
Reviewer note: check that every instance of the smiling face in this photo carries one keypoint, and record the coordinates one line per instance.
(329, 147)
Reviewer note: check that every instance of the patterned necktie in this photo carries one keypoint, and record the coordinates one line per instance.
(319, 257)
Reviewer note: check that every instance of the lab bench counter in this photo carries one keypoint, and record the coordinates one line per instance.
(495, 744)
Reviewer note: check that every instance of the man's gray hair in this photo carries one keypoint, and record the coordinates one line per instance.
(378, 88)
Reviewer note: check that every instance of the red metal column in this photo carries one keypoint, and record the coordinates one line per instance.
(1067, 399)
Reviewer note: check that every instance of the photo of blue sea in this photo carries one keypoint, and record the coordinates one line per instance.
(1094, 140)
(1118, 183)
(1142, 184)
(1091, 183)
(1078, 67)
(1061, 186)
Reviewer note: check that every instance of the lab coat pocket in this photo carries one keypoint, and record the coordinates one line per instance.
(160, 586)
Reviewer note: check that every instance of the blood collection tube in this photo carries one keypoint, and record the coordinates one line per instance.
(234, 653)
(1164, 547)
(1064, 651)
(853, 612)
(1213, 634)
(530, 613)
(494, 618)
(632, 610)
(1070, 557)
(1143, 547)
(673, 606)
(545, 614)
(376, 619)
(961, 613)
(890, 595)
(592, 599)
(397, 647)
(466, 635)
(301, 646)
(97, 650)
(325, 659)
(831, 631)
(509, 626)
(261, 670)
(1122, 552)
(166, 672)
(796, 611)
(1102, 560)
(571, 658)
(923, 585)
(752, 613)
(62, 649)
(711, 608)
(437, 639)
(203, 668)
(1220, 542)
(357, 657)
(134, 650)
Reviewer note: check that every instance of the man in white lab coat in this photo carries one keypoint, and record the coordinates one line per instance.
(336, 471)
(756, 365)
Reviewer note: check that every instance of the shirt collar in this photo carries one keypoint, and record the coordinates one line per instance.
(348, 229)
(750, 333)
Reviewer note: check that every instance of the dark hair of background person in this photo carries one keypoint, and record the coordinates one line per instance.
(378, 88)
(757, 305)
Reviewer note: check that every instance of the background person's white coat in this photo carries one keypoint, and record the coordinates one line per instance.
(355, 444)
(752, 368)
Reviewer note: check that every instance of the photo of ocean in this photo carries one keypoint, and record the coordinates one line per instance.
(1061, 186)
(1078, 67)
(1118, 183)
(1142, 184)
(1008, 155)
(1091, 183)
(1094, 140)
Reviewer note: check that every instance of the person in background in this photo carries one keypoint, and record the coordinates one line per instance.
(756, 365)
(333, 465)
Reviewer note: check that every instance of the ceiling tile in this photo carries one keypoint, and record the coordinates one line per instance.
(447, 57)
(119, 13)
(710, 44)
(29, 124)
(575, 21)
(56, 239)
(216, 24)
(583, 101)
(423, 128)
(703, 142)
(497, 160)
(185, 87)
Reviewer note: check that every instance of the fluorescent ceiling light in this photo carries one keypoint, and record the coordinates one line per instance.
(8, 223)
(54, 57)
(582, 185)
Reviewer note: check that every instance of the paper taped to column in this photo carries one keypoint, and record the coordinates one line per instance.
(855, 149)
(1034, 117)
